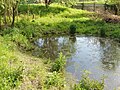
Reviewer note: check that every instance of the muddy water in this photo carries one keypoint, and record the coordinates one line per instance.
(99, 56)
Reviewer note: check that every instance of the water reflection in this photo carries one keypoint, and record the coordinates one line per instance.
(50, 47)
(110, 55)
(99, 56)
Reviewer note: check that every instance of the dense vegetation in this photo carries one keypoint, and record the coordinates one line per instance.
(19, 69)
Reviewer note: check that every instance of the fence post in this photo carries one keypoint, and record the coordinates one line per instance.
(82, 5)
(105, 6)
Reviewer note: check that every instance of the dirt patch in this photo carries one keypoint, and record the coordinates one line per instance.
(111, 19)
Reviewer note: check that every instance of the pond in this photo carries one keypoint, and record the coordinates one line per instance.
(100, 56)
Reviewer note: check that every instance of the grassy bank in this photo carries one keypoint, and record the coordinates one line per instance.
(21, 70)
(57, 20)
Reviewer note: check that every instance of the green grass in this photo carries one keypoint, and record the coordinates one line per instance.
(57, 19)
(10, 71)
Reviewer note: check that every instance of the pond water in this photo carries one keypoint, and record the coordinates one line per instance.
(98, 55)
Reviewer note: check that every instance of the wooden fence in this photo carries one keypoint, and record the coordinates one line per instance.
(98, 7)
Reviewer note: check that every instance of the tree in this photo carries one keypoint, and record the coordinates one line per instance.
(14, 10)
(8, 9)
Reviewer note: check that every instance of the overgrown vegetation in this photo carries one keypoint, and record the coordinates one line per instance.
(59, 64)
(10, 71)
(21, 71)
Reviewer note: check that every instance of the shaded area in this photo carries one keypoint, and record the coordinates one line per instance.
(40, 10)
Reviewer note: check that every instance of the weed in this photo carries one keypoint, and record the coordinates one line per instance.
(87, 84)
(54, 79)
(10, 77)
(59, 64)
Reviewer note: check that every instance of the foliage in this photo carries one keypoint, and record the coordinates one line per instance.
(59, 64)
(72, 29)
(10, 77)
(54, 79)
(87, 84)
(102, 32)
(8, 10)
(15, 35)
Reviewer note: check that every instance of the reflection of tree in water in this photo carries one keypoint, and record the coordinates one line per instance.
(110, 55)
(50, 47)
(72, 39)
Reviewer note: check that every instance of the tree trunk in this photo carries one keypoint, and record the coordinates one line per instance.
(0, 22)
(94, 7)
(105, 6)
(116, 9)
(49, 1)
(46, 3)
(13, 17)
(14, 12)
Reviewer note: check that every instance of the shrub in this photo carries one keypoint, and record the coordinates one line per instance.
(72, 29)
(102, 32)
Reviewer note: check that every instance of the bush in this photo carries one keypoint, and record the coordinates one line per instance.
(72, 29)
(102, 32)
